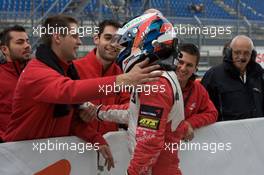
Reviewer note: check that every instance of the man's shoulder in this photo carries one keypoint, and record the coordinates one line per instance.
(257, 68)
(199, 87)
(162, 87)
(197, 83)
(6, 67)
(35, 63)
(212, 76)
(9, 78)
(214, 72)
(161, 84)
(216, 69)
(36, 68)
(83, 60)
(2, 68)
(158, 92)
(88, 66)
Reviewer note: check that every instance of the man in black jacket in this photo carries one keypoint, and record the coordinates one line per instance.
(236, 86)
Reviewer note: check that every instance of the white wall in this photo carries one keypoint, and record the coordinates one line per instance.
(240, 152)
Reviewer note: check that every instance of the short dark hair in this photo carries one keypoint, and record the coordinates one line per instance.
(107, 22)
(56, 22)
(5, 34)
(190, 49)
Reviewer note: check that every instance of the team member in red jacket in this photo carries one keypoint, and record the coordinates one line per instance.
(199, 109)
(100, 62)
(157, 119)
(48, 90)
(14, 44)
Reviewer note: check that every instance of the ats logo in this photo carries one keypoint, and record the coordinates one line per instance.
(148, 122)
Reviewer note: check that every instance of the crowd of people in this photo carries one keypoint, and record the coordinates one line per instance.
(44, 96)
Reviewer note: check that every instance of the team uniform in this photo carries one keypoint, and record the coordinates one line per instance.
(90, 67)
(152, 120)
(9, 74)
(42, 90)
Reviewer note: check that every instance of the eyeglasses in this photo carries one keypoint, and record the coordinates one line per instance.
(241, 53)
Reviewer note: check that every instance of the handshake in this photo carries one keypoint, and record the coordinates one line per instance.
(89, 111)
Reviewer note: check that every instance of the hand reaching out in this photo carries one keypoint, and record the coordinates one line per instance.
(88, 112)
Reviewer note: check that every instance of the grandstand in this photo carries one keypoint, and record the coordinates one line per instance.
(241, 16)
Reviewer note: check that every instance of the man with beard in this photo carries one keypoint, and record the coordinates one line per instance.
(16, 49)
(236, 86)
(49, 91)
(100, 62)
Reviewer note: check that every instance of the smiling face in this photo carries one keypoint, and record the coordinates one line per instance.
(186, 67)
(241, 52)
(18, 47)
(105, 49)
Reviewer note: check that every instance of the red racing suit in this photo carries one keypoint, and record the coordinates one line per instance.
(90, 67)
(9, 74)
(151, 119)
(150, 126)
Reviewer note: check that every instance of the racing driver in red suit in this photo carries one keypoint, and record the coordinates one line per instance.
(155, 119)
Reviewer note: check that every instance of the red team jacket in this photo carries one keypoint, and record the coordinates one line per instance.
(38, 89)
(90, 67)
(9, 74)
(199, 109)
